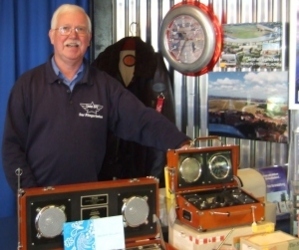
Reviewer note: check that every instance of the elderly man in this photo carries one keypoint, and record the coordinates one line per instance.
(60, 112)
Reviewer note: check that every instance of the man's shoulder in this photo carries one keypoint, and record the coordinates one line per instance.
(37, 70)
(34, 77)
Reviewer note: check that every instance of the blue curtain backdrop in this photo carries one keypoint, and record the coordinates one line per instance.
(24, 44)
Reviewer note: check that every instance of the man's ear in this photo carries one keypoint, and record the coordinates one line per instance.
(51, 34)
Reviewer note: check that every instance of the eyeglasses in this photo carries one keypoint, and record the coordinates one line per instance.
(66, 30)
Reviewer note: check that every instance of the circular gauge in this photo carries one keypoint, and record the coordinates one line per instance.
(135, 211)
(49, 221)
(190, 169)
(191, 38)
(219, 166)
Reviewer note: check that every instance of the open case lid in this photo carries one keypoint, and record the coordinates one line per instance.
(197, 168)
(44, 211)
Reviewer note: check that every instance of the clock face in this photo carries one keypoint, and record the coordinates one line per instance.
(187, 38)
(219, 166)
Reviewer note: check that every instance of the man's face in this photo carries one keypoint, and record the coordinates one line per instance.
(70, 48)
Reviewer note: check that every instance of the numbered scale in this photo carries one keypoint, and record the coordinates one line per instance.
(190, 38)
(206, 191)
(44, 210)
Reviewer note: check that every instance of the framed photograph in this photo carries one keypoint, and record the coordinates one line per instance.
(294, 56)
(252, 46)
(249, 105)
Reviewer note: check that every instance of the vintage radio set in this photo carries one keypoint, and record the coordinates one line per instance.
(207, 195)
(43, 211)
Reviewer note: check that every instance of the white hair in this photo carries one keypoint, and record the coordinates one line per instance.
(68, 8)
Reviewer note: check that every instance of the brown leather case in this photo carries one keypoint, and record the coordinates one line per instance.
(207, 194)
(43, 211)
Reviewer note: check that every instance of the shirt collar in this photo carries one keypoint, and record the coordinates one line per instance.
(53, 77)
(59, 73)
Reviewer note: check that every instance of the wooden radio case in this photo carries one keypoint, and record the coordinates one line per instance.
(206, 192)
(43, 211)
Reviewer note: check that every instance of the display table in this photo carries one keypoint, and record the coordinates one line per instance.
(9, 232)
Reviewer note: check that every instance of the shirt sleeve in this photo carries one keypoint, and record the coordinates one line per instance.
(14, 141)
(132, 120)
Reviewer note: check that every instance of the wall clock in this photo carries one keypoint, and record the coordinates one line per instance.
(191, 38)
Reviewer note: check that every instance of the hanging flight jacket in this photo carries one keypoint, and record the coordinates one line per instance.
(151, 84)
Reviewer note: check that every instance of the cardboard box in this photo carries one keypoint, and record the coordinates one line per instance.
(277, 240)
(183, 237)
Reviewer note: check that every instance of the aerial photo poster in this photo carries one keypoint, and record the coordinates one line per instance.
(249, 105)
(294, 56)
(252, 46)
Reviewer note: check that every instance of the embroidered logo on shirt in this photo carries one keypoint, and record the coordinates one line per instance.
(91, 110)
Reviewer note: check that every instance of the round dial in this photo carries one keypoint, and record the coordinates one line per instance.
(49, 221)
(219, 166)
(135, 211)
(185, 39)
(190, 38)
(191, 169)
